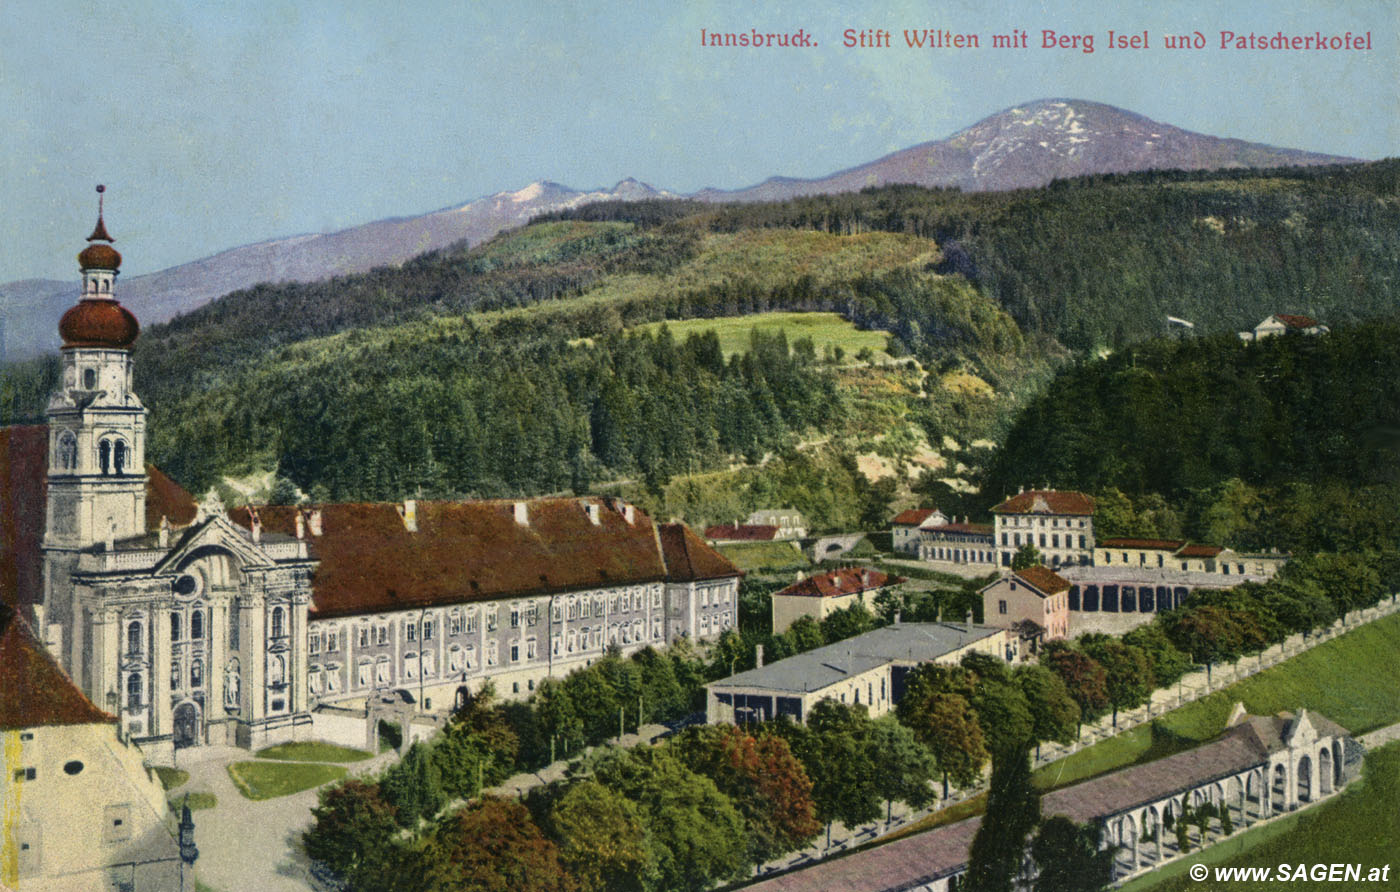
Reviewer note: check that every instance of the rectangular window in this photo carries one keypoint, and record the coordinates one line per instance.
(362, 675)
(515, 651)
(530, 651)
(364, 636)
(1001, 606)
(410, 630)
(382, 633)
(427, 630)
(491, 620)
(491, 651)
(333, 640)
(314, 643)
(515, 617)
(532, 615)
(381, 672)
(332, 678)
(471, 622)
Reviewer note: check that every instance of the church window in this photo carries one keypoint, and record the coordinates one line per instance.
(133, 638)
(174, 627)
(197, 674)
(104, 456)
(89, 379)
(175, 675)
(277, 622)
(276, 669)
(133, 691)
(119, 457)
(197, 625)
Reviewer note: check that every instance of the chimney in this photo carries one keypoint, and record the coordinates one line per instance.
(594, 515)
(164, 531)
(314, 521)
(758, 656)
(522, 514)
(301, 525)
(408, 512)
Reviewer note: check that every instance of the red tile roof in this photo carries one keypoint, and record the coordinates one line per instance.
(1293, 321)
(34, 691)
(835, 583)
(1200, 551)
(976, 529)
(1143, 544)
(1047, 501)
(24, 468)
(742, 532)
(473, 551)
(688, 558)
(1044, 580)
(913, 517)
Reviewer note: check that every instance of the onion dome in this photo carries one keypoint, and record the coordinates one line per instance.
(98, 323)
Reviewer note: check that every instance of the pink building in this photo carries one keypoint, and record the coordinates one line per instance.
(1036, 595)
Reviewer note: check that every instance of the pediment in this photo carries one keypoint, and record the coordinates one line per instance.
(215, 532)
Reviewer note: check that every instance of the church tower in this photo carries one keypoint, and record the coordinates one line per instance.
(97, 430)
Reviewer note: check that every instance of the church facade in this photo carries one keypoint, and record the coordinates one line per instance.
(195, 624)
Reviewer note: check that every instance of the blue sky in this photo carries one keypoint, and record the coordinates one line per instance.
(219, 123)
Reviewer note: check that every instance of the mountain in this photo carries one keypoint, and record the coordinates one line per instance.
(1030, 145)
(29, 309)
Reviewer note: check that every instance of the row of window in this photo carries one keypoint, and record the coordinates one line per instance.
(1030, 539)
(113, 453)
(1019, 520)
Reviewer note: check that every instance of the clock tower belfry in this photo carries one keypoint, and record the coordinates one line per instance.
(97, 428)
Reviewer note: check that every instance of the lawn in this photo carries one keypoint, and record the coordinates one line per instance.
(268, 780)
(196, 802)
(312, 752)
(1351, 679)
(170, 778)
(754, 557)
(825, 330)
(1359, 827)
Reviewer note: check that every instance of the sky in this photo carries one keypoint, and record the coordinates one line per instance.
(224, 122)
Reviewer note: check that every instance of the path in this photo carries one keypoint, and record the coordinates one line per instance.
(244, 844)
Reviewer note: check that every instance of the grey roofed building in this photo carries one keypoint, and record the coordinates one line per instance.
(860, 670)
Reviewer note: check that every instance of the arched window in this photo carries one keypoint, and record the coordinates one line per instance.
(276, 669)
(89, 379)
(133, 638)
(133, 691)
(174, 627)
(119, 457)
(277, 630)
(175, 675)
(197, 624)
(197, 674)
(67, 451)
(104, 456)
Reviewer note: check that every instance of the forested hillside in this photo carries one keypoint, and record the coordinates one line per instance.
(516, 367)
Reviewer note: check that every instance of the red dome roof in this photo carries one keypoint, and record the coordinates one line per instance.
(99, 256)
(98, 323)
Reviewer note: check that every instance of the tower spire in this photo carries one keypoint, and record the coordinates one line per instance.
(99, 232)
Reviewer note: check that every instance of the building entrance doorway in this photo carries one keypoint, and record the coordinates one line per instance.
(186, 725)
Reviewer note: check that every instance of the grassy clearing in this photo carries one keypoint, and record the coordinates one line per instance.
(1351, 680)
(757, 557)
(1359, 827)
(268, 780)
(827, 330)
(170, 778)
(196, 801)
(312, 752)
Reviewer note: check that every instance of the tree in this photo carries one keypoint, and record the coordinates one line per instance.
(1054, 714)
(696, 837)
(1026, 556)
(804, 634)
(1128, 679)
(353, 833)
(1013, 809)
(414, 786)
(847, 623)
(844, 786)
(1004, 715)
(1209, 634)
(904, 768)
(601, 839)
(761, 776)
(1084, 678)
(951, 731)
(1166, 662)
(493, 846)
(1068, 857)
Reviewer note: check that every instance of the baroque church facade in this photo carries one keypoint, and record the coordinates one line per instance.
(195, 624)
